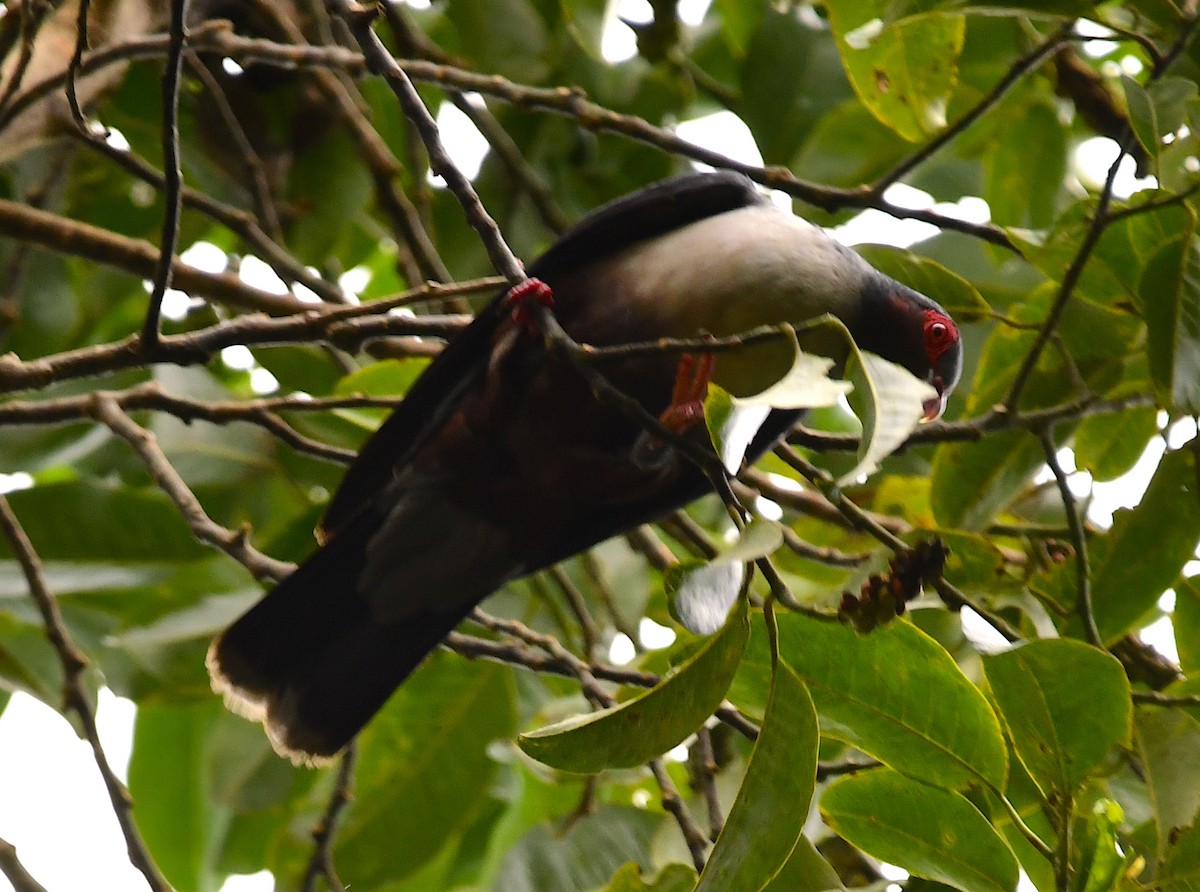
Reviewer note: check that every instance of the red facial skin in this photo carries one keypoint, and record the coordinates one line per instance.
(939, 334)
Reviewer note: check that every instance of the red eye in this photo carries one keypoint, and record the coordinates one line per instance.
(940, 334)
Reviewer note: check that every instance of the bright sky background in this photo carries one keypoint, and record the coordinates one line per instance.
(53, 806)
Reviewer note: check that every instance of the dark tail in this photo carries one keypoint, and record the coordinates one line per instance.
(311, 661)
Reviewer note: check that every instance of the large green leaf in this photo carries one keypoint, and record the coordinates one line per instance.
(423, 768)
(139, 525)
(1107, 446)
(904, 71)
(646, 726)
(1065, 705)
(673, 878)
(805, 871)
(1142, 556)
(169, 778)
(772, 806)
(1166, 739)
(898, 696)
(930, 832)
(1186, 621)
(1170, 297)
(1181, 867)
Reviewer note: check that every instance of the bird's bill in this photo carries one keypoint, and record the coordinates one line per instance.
(933, 408)
(935, 405)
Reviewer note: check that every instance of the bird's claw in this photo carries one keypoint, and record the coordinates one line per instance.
(691, 387)
(521, 295)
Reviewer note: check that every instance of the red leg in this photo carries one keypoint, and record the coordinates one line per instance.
(691, 387)
(520, 295)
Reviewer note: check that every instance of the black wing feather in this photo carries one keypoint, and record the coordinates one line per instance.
(645, 214)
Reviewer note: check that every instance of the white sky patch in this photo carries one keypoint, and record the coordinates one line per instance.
(677, 754)
(860, 38)
(231, 67)
(177, 304)
(14, 482)
(621, 651)
(1095, 48)
(262, 881)
(692, 12)
(876, 227)
(722, 132)
(258, 274)
(238, 357)
(1127, 490)
(262, 382)
(981, 633)
(353, 281)
(53, 792)
(768, 509)
(206, 257)
(1090, 163)
(463, 141)
(653, 635)
(113, 137)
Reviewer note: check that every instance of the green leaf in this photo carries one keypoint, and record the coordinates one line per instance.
(169, 780)
(805, 871)
(646, 726)
(1186, 621)
(1181, 866)
(139, 524)
(1025, 168)
(930, 832)
(1157, 110)
(673, 878)
(772, 806)
(1065, 705)
(1102, 861)
(1170, 298)
(897, 695)
(554, 857)
(1163, 737)
(1141, 556)
(959, 297)
(904, 71)
(889, 400)
(1107, 446)
(423, 768)
(791, 76)
(507, 37)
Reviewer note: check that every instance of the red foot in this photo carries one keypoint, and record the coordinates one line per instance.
(691, 387)
(520, 295)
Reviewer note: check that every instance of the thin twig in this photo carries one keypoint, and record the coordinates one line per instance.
(14, 871)
(359, 21)
(81, 44)
(324, 832)
(671, 800)
(1083, 581)
(236, 544)
(172, 174)
(74, 665)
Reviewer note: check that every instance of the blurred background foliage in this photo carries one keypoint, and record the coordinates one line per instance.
(988, 128)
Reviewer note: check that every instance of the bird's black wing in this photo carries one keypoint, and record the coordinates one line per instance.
(645, 214)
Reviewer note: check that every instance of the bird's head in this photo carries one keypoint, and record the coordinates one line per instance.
(908, 328)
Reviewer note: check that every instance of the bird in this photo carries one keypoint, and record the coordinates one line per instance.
(501, 460)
